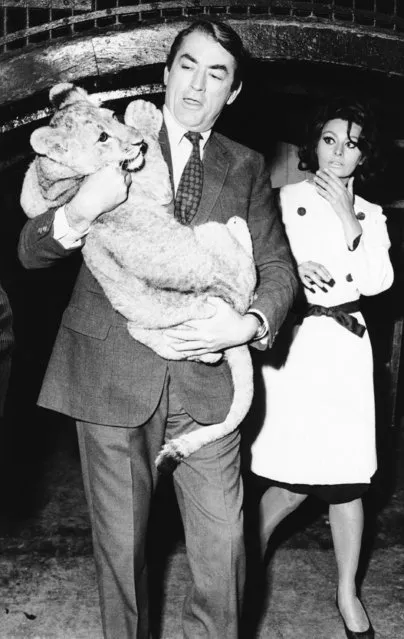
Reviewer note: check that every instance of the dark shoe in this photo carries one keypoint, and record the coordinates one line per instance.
(352, 634)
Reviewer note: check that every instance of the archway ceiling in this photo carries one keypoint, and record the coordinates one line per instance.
(34, 70)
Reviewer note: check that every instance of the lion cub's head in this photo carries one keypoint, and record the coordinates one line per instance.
(83, 137)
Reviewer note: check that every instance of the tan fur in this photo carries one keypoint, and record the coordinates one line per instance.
(155, 271)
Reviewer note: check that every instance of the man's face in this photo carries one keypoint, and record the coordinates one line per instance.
(198, 85)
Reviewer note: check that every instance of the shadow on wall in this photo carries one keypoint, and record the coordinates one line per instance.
(37, 298)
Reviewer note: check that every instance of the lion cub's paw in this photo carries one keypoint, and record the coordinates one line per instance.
(144, 116)
(239, 229)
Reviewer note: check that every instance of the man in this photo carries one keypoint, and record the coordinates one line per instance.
(148, 399)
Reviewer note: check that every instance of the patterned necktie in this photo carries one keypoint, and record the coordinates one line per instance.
(190, 187)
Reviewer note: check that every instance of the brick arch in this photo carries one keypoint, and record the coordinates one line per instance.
(32, 71)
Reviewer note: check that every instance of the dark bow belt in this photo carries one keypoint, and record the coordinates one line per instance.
(340, 314)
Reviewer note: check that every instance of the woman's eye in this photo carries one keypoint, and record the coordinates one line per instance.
(103, 137)
(328, 140)
(352, 145)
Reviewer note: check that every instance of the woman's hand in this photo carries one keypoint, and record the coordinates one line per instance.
(313, 274)
(332, 189)
(341, 198)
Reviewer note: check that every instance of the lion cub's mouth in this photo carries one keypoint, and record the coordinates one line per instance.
(137, 163)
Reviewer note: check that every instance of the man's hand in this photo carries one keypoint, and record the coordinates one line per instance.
(223, 329)
(98, 194)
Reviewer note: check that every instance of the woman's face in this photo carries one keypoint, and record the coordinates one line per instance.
(337, 151)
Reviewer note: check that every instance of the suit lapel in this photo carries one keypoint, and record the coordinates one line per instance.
(165, 149)
(215, 166)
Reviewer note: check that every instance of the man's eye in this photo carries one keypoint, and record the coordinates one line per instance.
(103, 137)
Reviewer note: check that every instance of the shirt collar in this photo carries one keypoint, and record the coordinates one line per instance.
(176, 132)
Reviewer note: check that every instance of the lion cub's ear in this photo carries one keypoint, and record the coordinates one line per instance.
(66, 93)
(47, 141)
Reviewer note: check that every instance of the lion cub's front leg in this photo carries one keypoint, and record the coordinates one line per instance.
(145, 117)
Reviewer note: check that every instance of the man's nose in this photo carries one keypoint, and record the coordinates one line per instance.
(198, 81)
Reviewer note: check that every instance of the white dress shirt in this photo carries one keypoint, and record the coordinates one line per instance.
(180, 146)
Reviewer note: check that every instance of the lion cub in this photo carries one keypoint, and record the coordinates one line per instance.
(155, 271)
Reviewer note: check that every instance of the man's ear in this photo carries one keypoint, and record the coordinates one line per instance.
(233, 95)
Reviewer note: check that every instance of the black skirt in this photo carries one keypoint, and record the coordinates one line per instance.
(332, 494)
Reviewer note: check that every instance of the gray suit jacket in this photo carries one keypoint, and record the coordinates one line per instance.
(97, 371)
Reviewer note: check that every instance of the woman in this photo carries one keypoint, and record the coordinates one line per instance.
(318, 435)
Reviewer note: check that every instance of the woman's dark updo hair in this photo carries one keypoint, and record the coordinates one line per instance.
(353, 112)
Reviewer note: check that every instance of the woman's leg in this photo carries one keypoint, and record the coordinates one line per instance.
(276, 504)
(346, 521)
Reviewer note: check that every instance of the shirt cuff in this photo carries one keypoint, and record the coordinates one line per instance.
(263, 330)
(63, 233)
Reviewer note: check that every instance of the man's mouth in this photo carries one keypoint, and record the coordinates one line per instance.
(192, 102)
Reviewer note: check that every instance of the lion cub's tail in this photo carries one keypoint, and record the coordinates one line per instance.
(174, 451)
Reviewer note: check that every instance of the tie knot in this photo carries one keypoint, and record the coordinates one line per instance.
(193, 137)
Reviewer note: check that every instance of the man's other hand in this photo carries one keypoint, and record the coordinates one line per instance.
(223, 329)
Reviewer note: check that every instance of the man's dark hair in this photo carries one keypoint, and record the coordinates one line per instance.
(352, 111)
(224, 35)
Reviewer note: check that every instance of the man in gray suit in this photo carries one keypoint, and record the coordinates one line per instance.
(126, 399)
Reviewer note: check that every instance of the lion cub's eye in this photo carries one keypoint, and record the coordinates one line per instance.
(103, 137)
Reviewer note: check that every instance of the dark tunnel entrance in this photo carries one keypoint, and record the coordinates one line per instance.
(269, 116)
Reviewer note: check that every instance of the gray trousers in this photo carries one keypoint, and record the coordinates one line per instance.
(119, 478)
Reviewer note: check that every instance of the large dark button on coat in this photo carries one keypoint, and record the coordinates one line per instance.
(301, 210)
(349, 278)
(360, 215)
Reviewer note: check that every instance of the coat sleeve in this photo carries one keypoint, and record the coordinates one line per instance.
(37, 247)
(277, 281)
(370, 263)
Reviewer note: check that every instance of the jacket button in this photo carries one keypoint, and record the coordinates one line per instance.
(360, 215)
(301, 210)
(349, 278)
